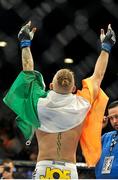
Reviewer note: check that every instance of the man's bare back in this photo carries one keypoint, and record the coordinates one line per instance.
(58, 146)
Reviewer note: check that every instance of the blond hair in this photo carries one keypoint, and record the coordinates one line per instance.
(64, 81)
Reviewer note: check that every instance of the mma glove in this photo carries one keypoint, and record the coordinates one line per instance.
(25, 36)
(108, 41)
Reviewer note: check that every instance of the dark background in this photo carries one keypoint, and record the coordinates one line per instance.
(65, 29)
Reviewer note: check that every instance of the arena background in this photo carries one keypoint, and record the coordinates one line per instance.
(65, 29)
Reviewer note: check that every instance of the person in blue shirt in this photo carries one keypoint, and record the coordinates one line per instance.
(107, 166)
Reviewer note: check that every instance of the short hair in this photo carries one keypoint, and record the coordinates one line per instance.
(64, 78)
(113, 104)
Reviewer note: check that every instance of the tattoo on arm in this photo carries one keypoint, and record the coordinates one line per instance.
(27, 59)
(58, 146)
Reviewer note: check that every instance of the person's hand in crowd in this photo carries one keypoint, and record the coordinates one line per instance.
(105, 122)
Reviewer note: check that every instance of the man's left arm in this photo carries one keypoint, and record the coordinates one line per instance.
(25, 37)
(107, 41)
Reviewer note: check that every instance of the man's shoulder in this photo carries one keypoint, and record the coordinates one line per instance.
(108, 134)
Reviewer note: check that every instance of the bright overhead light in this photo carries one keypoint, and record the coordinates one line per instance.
(3, 43)
(68, 60)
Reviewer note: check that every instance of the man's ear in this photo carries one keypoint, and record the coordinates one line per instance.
(74, 89)
(51, 86)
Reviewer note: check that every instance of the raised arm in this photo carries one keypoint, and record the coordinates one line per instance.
(25, 36)
(27, 59)
(107, 41)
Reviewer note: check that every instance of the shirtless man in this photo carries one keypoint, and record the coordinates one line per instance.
(56, 116)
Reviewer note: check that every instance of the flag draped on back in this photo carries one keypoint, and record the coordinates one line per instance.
(61, 112)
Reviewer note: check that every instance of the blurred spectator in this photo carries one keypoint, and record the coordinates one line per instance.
(3, 153)
(7, 169)
(33, 154)
(105, 122)
(11, 145)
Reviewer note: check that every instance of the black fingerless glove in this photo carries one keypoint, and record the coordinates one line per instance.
(109, 41)
(24, 36)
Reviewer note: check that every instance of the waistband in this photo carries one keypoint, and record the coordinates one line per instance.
(56, 163)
